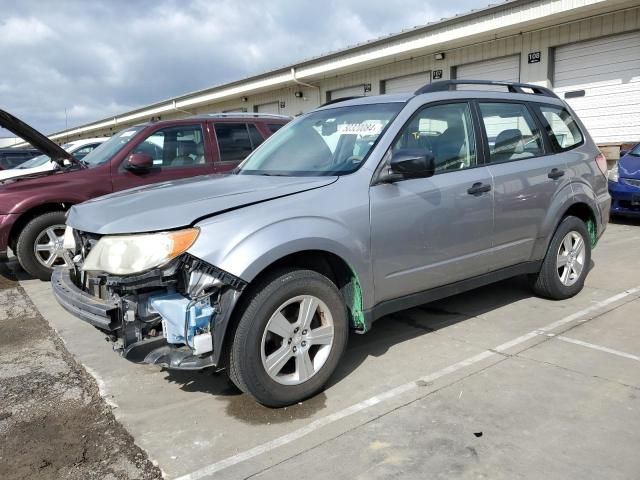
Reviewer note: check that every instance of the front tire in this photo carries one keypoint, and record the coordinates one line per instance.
(566, 263)
(290, 338)
(39, 246)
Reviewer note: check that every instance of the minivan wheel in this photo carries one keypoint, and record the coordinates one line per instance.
(39, 246)
(566, 264)
(290, 338)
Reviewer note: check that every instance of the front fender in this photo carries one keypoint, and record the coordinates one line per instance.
(247, 253)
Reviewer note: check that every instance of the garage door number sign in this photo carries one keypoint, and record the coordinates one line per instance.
(534, 57)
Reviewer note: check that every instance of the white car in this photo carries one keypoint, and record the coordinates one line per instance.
(42, 163)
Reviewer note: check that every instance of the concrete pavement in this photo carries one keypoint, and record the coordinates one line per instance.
(413, 394)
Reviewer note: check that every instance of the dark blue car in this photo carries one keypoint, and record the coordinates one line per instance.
(624, 184)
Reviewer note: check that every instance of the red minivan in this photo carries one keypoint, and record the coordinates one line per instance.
(33, 207)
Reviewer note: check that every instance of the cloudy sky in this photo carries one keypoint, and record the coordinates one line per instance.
(100, 58)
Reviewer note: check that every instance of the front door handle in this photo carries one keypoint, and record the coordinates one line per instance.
(479, 188)
(555, 174)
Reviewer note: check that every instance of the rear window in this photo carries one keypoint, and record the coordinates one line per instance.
(234, 141)
(562, 127)
(274, 127)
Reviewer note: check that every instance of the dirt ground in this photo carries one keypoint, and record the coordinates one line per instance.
(53, 422)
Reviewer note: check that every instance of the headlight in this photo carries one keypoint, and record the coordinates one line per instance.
(126, 254)
(613, 175)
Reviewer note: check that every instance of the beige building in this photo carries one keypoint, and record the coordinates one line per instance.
(588, 51)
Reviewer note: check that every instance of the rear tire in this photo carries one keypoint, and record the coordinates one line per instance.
(34, 232)
(566, 264)
(280, 353)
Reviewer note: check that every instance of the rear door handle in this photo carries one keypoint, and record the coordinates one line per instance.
(555, 174)
(478, 188)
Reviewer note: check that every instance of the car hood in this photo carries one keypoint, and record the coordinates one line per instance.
(170, 205)
(34, 137)
(629, 166)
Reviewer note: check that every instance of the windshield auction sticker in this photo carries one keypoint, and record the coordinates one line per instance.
(364, 128)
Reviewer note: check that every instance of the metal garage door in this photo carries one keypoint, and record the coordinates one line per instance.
(603, 77)
(357, 91)
(505, 68)
(273, 107)
(407, 83)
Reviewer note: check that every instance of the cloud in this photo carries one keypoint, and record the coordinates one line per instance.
(99, 59)
(16, 31)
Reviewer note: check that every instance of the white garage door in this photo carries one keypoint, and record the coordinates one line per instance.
(357, 91)
(407, 83)
(505, 68)
(273, 107)
(603, 77)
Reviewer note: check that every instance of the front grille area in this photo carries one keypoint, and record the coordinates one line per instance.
(632, 181)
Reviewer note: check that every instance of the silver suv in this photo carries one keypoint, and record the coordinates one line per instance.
(360, 208)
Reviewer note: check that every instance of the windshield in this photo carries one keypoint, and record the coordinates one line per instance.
(326, 142)
(635, 151)
(111, 147)
(34, 162)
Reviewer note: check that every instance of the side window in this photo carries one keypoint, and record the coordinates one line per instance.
(274, 127)
(175, 147)
(12, 160)
(562, 128)
(511, 131)
(84, 151)
(233, 141)
(444, 131)
(256, 136)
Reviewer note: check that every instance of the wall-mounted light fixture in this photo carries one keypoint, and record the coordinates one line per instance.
(244, 99)
(298, 94)
(439, 56)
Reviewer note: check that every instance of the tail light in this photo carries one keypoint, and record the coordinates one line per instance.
(601, 160)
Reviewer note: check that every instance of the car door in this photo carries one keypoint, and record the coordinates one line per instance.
(429, 232)
(526, 175)
(235, 141)
(178, 151)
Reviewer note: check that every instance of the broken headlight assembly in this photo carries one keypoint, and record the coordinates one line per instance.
(129, 254)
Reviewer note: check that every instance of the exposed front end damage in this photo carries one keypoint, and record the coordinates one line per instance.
(174, 316)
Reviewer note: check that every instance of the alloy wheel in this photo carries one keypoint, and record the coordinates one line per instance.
(571, 258)
(48, 247)
(297, 340)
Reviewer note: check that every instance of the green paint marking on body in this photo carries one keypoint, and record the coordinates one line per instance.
(593, 235)
(357, 316)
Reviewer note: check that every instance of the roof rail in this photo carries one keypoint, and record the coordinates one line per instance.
(243, 114)
(341, 99)
(512, 87)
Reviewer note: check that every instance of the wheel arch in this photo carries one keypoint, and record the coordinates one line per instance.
(582, 209)
(325, 262)
(332, 266)
(32, 213)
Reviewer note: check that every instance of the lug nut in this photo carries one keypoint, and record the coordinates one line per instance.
(304, 332)
(295, 349)
(304, 344)
(295, 330)
(289, 341)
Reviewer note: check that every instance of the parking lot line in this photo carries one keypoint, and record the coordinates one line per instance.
(598, 347)
(578, 316)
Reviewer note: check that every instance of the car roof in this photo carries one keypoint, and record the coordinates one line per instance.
(85, 141)
(447, 89)
(18, 149)
(240, 116)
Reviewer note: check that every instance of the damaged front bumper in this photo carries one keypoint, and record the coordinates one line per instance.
(175, 317)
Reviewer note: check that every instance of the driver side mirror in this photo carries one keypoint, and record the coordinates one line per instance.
(405, 165)
(139, 162)
(623, 153)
